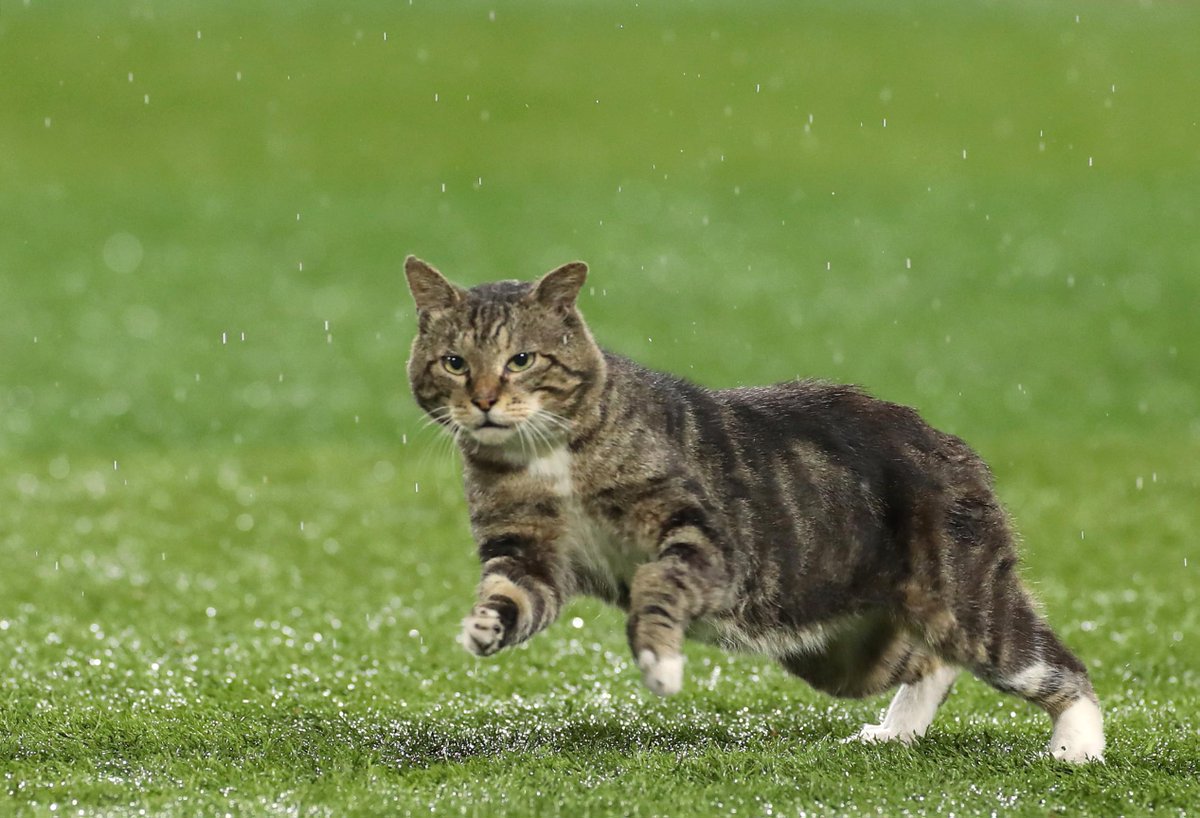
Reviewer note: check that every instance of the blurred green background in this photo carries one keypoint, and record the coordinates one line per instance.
(987, 211)
(216, 491)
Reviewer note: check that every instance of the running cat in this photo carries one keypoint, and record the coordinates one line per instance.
(837, 533)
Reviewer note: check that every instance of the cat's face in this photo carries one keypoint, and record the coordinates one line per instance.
(505, 364)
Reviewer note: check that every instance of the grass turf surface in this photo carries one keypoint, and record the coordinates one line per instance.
(233, 562)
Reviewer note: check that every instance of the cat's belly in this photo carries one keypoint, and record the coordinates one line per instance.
(831, 638)
(731, 635)
(856, 655)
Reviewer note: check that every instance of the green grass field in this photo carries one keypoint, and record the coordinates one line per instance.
(232, 564)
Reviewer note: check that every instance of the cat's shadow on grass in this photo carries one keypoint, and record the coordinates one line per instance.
(725, 739)
(421, 743)
(425, 743)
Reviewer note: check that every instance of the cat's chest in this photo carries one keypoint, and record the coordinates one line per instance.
(602, 561)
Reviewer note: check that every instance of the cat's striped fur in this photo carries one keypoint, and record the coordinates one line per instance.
(840, 534)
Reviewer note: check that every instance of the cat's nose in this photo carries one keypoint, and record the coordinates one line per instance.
(484, 402)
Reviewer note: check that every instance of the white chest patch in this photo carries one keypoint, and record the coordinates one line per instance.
(602, 560)
(554, 467)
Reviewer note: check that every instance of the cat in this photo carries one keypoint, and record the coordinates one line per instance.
(839, 534)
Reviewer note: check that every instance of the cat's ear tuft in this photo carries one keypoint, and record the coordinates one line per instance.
(430, 289)
(560, 286)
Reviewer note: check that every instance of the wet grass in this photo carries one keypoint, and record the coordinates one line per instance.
(233, 563)
(166, 655)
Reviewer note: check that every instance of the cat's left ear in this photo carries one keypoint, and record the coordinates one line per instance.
(560, 286)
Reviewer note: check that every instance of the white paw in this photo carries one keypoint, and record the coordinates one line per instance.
(662, 675)
(1078, 736)
(880, 733)
(482, 632)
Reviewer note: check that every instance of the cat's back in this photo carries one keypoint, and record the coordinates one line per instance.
(756, 434)
(840, 418)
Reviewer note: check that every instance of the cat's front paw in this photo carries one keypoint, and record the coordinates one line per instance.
(662, 674)
(482, 632)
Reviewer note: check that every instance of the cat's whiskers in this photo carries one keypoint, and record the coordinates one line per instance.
(520, 429)
(440, 420)
(445, 433)
(455, 439)
(555, 419)
(536, 430)
(547, 428)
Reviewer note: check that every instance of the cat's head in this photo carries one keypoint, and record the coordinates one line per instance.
(505, 364)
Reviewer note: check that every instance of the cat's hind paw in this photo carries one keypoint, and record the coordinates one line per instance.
(1079, 734)
(663, 675)
(482, 632)
(880, 734)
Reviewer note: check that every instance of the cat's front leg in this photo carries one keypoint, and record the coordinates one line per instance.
(521, 594)
(688, 579)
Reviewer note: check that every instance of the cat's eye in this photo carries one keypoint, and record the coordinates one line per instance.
(520, 362)
(454, 364)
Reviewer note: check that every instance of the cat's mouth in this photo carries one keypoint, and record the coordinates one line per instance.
(491, 432)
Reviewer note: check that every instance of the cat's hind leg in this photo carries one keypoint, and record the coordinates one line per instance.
(1025, 658)
(969, 607)
(913, 708)
(996, 632)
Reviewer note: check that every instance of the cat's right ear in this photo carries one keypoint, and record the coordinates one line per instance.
(430, 289)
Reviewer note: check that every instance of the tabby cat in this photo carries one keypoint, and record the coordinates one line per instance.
(839, 534)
